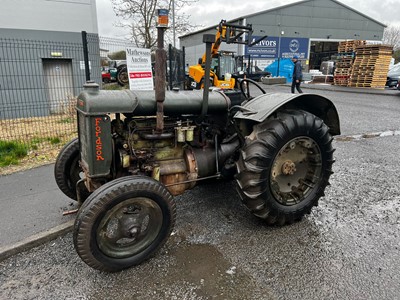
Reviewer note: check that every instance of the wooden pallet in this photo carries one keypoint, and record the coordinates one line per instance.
(371, 65)
(350, 46)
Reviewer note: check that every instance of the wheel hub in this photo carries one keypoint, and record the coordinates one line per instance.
(288, 168)
(296, 170)
(129, 227)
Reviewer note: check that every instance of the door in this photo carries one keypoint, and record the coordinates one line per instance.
(59, 83)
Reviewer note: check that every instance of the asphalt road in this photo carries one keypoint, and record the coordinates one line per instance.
(347, 248)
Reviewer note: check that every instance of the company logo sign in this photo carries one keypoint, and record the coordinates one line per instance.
(283, 47)
(294, 46)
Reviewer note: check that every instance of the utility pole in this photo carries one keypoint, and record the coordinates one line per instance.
(173, 22)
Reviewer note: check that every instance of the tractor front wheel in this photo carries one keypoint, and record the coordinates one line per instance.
(123, 223)
(284, 166)
(67, 170)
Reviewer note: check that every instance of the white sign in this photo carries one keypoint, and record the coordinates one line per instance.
(138, 61)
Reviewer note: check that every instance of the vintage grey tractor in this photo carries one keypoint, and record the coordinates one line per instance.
(129, 161)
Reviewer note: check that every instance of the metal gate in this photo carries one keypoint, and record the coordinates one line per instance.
(175, 68)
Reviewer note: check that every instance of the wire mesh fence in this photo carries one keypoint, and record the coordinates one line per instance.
(40, 80)
(38, 84)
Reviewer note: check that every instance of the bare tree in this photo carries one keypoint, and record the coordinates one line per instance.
(391, 36)
(141, 19)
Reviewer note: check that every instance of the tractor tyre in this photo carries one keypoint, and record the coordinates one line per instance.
(122, 76)
(284, 166)
(123, 223)
(67, 169)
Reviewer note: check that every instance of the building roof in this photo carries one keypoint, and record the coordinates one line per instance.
(281, 7)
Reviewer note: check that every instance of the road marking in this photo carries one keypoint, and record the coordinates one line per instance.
(347, 138)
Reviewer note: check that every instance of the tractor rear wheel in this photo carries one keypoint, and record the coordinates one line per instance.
(123, 223)
(284, 166)
(122, 76)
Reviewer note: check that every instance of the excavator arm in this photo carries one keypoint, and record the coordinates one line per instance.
(230, 34)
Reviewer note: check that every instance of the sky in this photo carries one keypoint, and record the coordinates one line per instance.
(210, 12)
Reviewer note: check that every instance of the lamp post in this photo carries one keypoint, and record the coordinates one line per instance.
(281, 32)
(173, 22)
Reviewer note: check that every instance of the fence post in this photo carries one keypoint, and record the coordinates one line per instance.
(86, 55)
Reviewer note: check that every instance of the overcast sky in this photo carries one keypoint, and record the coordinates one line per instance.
(210, 12)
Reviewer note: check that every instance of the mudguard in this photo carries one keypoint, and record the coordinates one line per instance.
(261, 107)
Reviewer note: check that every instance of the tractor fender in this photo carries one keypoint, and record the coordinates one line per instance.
(263, 106)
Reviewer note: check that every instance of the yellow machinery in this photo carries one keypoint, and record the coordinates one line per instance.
(222, 62)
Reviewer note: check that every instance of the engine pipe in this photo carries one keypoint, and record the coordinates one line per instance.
(160, 78)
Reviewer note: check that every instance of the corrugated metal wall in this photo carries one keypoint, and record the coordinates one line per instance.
(314, 19)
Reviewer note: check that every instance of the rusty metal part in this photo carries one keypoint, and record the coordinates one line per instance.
(288, 168)
(70, 212)
(194, 181)
(160, 79)
(172, 166)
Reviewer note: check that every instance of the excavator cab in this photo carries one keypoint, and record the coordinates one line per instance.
(223, 62)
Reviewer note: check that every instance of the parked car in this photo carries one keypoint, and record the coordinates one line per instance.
(393, 77)
(108, 74)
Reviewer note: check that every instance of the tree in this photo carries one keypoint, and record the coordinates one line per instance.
(119, 55)
(141, 15)
(391, 36)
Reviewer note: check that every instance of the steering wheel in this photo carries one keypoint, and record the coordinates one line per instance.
(246, 93)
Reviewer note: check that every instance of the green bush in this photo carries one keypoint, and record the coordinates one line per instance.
(11, 152)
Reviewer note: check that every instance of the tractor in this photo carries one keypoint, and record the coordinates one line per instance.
(134, 153)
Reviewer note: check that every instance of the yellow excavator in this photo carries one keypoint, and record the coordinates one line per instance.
(222, 62)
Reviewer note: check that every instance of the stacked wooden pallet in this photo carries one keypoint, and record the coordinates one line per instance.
(345, 60)
(371, 66)
(350, 46)
(343, 69)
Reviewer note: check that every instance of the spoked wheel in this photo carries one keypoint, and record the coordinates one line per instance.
(67, 170)
(284, 166)
(123, 223)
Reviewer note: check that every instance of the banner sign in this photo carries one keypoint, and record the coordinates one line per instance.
(284, 47)
(294, 46)
(267, 48)
(138, 61)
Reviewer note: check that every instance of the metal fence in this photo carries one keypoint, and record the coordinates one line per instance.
(176, 68)
(39, 82)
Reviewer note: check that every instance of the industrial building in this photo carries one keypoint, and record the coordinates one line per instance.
(310, 29)
(41, 54)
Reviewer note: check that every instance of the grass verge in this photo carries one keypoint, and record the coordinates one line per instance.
(11, 152)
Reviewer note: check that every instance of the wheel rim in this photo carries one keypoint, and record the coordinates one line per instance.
(123, 77)
(129, 227)
(297, 169)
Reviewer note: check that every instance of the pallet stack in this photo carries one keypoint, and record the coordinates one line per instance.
(371, 66)
(350, 46)
(343, 69)
(344, 64)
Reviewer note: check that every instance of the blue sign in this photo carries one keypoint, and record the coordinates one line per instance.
(267, 48)
(270, 48)
(294, 46)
